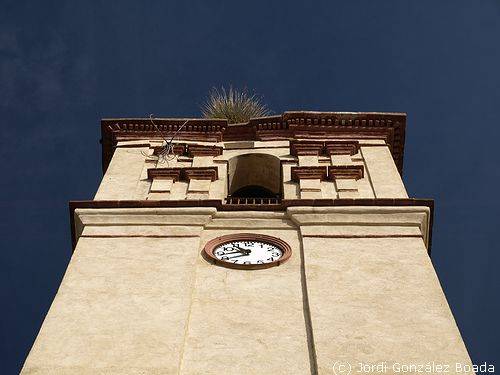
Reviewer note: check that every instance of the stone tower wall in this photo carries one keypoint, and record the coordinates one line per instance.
(139, 297)
(370, 172)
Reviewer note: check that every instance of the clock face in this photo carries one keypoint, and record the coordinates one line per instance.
(247, 251)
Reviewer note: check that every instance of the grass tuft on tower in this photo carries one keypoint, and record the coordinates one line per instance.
(234, 105)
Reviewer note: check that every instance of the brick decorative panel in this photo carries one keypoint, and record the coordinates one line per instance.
(184, 174)
(328, 148)
(202, 173)
(301, 148)
(302, 173)
(310, 126)
(178, 149)
(354, 172)
(201, 150)
(164, 173)
(342, 148)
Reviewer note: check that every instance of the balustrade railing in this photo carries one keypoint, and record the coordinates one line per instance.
(252, 201)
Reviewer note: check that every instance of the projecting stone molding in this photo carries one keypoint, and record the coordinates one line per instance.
(200, 150)
(300, 148)
(309, 173)
(334, 172)
(184, 174)
(191, 150)
(177, 149)
(310, 126)
(342, 148)
(337, 172)
(324, 148)
(164, 173)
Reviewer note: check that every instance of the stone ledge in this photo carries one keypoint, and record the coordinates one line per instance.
(211, 207)
(326, 218)
(157, 230)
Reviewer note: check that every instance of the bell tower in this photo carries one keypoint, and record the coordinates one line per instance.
(285, 245)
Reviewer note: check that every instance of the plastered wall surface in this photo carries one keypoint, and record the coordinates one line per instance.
(127, 178)
(376, 299)
(138, 297)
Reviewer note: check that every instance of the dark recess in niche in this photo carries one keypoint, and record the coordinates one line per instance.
(254, 191)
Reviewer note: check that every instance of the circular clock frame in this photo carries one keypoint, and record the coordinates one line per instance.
(210, 246)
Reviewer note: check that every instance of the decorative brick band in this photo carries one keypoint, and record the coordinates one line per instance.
(184, 174)
(299, 148)
(312, 126)
(342, 148)
(201, 150)
(328, 148)
(200, 173)
(309, 173)
(178, 149)
(164, 173)
(336, 172)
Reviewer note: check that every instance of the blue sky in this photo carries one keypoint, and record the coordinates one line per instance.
(65, 65)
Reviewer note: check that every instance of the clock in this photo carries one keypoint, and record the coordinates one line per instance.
(247, 251)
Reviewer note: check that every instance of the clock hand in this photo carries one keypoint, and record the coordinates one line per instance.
(237, 256)
(235, 252)
(246, 251)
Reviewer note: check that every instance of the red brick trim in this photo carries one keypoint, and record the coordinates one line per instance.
(362, 236)
(334, 172)
(113, 130)
(164, 173)
(191, 150)
(328, 148)
(184, 174)
(200, 173)
(139, 235)
(201, 150)
(337, 172)
(178, 149)
(341, 147)
(288, 126)
(299, 148)
(309, 173)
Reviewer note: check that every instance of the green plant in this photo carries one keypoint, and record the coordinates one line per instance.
(234, 105)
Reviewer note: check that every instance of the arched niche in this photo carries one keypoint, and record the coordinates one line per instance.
(254, 175)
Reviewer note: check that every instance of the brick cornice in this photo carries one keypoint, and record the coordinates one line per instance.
(356, 125)
(123, 129)
(389, 127)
